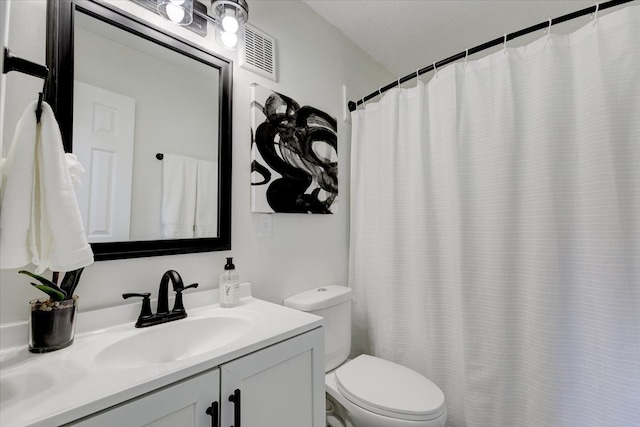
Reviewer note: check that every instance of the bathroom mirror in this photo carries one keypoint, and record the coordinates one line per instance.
(176, 99)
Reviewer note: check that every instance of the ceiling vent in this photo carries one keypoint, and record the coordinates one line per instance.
(258, 54)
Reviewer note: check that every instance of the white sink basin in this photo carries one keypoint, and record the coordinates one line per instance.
(172, 342)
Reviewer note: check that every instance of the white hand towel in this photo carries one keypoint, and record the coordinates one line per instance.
(16, 194)
(40, 220)
(76, 170)
(178, 208)
(207, 199)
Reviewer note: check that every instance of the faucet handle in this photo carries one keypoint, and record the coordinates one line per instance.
(146, 304)
(142, 295)
(178, 306)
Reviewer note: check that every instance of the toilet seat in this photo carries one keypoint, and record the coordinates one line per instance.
(389, 389)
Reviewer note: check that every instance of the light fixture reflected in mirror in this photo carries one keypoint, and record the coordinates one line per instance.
(177, 11)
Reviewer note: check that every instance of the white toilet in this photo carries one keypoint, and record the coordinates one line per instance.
(370, 392)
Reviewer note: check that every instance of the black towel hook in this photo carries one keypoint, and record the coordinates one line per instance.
(40, 99)
(14, 63)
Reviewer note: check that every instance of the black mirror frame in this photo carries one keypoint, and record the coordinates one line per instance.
(59, 96)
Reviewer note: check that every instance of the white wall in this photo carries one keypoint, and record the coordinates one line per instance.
(27, 43)
(314, 61)
(4, 42)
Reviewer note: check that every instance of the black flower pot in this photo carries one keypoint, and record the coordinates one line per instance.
(52, 324)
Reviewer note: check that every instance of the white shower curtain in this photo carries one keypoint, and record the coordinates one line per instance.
(495, 231)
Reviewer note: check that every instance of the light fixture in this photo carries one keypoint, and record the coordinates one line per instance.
(230, 17)
(177, 11)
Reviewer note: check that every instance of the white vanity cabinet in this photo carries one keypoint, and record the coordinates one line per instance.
(278, 386)
(169, 375)
(183, 404)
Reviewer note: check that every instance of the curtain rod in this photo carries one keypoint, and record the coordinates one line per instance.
(593, 9)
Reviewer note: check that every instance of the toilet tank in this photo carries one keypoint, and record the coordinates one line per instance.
(334, 304)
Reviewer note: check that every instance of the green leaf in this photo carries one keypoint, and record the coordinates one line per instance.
(42, 279)
(70, 281)
(54, 294)
(47, 286)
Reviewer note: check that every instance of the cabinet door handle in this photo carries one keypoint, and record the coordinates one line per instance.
(213, 412)
(235, 398)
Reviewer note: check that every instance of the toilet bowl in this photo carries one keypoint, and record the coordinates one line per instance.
(378, 393)
(370, 392)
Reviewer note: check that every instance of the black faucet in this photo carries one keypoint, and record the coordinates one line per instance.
(162, 315)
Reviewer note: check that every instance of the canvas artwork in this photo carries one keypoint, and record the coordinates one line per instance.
(294, 156)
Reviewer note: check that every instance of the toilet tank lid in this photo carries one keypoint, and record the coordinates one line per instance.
(319, 298)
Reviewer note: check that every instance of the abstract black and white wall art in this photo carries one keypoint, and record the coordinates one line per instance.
(294, 156)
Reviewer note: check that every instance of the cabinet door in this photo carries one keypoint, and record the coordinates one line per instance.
(279, 386)
(183, 404)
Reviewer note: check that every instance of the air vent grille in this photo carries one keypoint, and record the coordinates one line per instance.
(259, 53)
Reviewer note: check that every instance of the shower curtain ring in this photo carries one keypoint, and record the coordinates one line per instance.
(435, 70)
(549, 29)
(595, 15)
(466, 56)
(399, 84)
(418, 75)
(504, 44)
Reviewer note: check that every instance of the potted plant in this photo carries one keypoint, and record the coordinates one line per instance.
(52, 320)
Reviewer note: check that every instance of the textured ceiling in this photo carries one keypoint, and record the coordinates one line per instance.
(404, 35)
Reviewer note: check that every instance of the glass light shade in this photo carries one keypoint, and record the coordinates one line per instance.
(227, 39)
(177, 11)
(230, 17)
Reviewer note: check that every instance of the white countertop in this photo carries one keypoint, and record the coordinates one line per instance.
(59, 387)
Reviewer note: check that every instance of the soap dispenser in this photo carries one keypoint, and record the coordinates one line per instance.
(229, 285)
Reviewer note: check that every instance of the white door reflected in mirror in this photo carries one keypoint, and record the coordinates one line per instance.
(103, 134)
